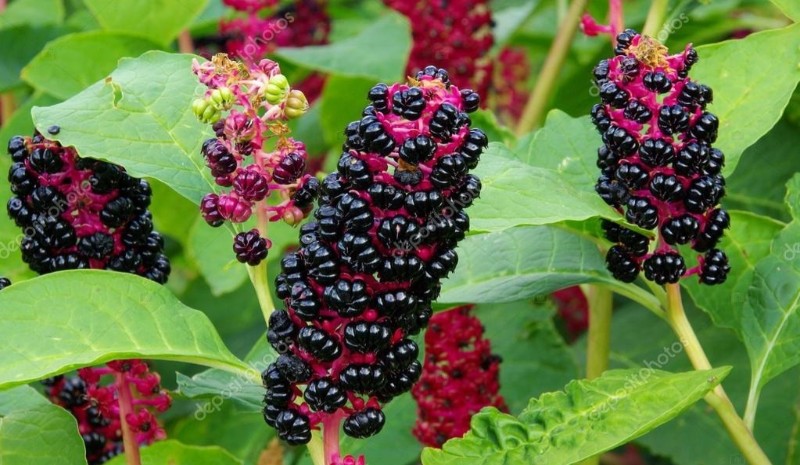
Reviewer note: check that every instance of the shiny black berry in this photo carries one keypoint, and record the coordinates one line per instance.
(622, 264)
(715, 267)
(364, 423)
(323, 395)
(664, 268)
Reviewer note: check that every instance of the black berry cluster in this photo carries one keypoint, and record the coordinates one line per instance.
(657, 163)
(80, 212)
(371, 262)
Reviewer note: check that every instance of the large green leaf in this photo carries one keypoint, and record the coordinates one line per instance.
(139, 117)
(515, 193)
(749, 99)
(33, 431)
(343, 99)
(520, 263)
(586, 419)
(759, 183)
(217, 386)
(61, 68)
(771, 316)
(640, 339)
(66, 320)
(746, 243)
(242, 433)
(389, 38)
(212, 251)
(172, 452)
(27, 42)
(157, 20)
(789, 7)
(32, 13)
(535, 358)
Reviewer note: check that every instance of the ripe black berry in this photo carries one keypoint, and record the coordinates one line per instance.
(250, 247)
(622, 264)
(324, 395)
(715, 267)
(365, 423)
(664, 268)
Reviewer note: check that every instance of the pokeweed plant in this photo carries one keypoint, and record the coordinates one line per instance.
(344, 201)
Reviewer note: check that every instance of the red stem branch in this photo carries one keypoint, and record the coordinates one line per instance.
(330, 436)
(130, 444)
(616, 19)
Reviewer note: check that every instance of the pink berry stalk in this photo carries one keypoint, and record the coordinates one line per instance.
(122, 396)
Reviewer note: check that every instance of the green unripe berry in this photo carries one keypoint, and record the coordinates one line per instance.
(211, 115)
(222, 98)
(199, 106)
(296, 104)
(277, 89)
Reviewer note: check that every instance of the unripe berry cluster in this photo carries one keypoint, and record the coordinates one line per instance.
(257, 102)
(81, 213)
(657, 162)
(459, 378)
(371, 262)
(92, 397)
(455, 34)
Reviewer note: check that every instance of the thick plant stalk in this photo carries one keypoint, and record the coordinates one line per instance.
(616, 19)
(718, 399)
(537, 103)
(655, 17)
(258, 274)
(185, 43)
(599, 339)
(130, 444)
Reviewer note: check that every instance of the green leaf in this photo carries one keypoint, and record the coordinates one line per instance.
(520, 263)
(343, 99)
(217, 386)
(750, 99)
(389, 37)
(32, 13)
(212, 251)
(745, 243)
(61, 68)
(759, 183)
(242, 433)
(523, 335)
(141, 118)
(27, 42)
(789, 7)
(34, 431)
(172, 452)
(771, 316)
(587, 419)
(100, 316)
(568, 146)
(494, 129)
(515, 193)
(641, 339)
(157, 20)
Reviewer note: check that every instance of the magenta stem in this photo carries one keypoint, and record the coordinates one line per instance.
(125, 399)
(330, 436)
(616, 19)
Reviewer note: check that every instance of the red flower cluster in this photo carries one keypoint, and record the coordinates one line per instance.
(460, 377)
(573, 310)
(456, 35)
(510, 83)
(92, 396)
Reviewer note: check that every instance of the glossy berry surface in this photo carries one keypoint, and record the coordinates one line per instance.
(81, 213)
(658, 166)
(367, 270)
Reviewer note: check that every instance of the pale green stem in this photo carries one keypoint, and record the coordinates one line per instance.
(717, 399)
(752, 405)
(537, 103)
(598, 348)
(316, 448)
(655, 17)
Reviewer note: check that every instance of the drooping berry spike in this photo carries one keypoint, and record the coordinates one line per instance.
(257, 101)
(456, 35)
(91, 396)
(460, 377)
(81, 213)
(371, 262)
(657, 164)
